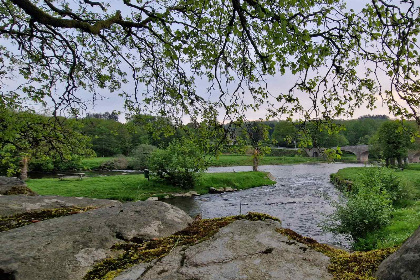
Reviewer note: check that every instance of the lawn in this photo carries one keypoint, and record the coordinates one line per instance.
(136, 187)
(406, 218)
(246, 160)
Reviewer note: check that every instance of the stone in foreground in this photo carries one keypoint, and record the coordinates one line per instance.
(16, 204)
(13, 185)
(242, 250)
(67, 247)
(404, 264)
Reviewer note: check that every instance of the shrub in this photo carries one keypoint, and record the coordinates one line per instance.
(386, 179)
(179, 164)
(368, 210)
(368, 207)
(119, 162)
(141, 155)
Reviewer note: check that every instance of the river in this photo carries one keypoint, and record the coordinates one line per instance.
(300, 199)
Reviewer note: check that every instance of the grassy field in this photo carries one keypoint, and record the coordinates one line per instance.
(136, 187)
(406, 218)
(246, 160)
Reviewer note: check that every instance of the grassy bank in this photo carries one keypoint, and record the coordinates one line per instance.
(246, 160)
(136, 187)
(405, 218)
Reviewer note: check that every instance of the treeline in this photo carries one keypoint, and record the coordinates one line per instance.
(110, 137)
(52, 144)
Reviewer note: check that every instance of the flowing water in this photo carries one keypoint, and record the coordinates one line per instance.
(301, 198)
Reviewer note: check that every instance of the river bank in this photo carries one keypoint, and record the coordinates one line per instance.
(405, 218)
(300, 198)
(137, 187)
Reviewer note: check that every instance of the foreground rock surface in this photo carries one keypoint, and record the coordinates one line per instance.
(13, 185)
(67, 247)
(242, 250)
(404, 264)
(15, 204)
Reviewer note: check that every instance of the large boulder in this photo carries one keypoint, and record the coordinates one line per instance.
(13, 185)
(67, 247)
(404, 264)
(242, 250)
(16, 204)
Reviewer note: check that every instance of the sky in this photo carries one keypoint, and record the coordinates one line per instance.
(110, 101)
(277, 83)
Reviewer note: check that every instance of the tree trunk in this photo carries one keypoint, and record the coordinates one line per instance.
(24, 169)
(400, 165)
(255, 161)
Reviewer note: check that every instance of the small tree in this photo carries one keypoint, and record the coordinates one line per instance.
(179, 164)
(141, 155)
(257, 133)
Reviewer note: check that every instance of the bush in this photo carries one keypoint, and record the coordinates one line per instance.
(120, 162)
(179, 164)
(386, 179)
(369, 204)
(141, 155)
(56, 165)
(368, 210)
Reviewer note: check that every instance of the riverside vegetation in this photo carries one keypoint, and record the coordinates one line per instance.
(382, 208)
(136, 187)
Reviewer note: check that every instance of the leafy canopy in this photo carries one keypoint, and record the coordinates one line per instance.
(339, 58)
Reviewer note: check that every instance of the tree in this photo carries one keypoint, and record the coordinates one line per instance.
(109, 137)
(393, 140)
(104, 116)
(285, 134)
(25, 136)
(179, 164)
(62, 48)
(257, 133)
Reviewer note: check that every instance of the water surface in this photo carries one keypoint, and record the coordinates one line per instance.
(301, 198)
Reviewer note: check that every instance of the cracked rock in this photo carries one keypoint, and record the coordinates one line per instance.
(67, 247)
(242, 250)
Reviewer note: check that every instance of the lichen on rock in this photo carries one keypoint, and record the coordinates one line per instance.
(27, 218)
(149, 250)
(345, 265)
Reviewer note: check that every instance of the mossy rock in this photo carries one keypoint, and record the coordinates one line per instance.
(342, 264)
(14, 186)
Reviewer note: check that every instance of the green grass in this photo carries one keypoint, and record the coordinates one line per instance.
(136, 187)
(94, 163)
(233, 160)
(246, 160)
(405, 219)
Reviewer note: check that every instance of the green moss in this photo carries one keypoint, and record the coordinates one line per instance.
(341, 183)
(20, 190)
(345, 265)
(23, 219)
(148, 250)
